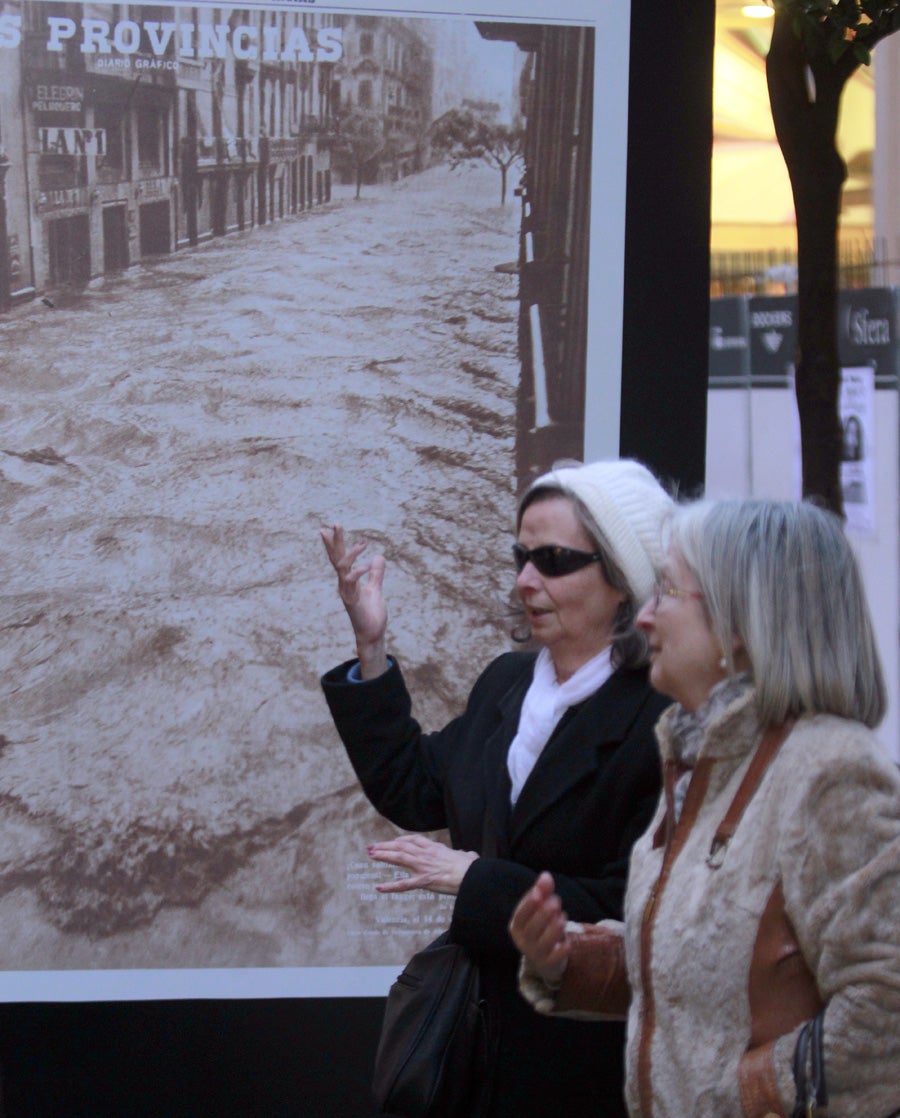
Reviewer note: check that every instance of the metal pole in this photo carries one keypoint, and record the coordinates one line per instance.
(5, 297)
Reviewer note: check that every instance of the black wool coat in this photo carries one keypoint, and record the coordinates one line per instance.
(591, 794)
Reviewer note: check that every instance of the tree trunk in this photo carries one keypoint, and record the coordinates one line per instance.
(805, 116)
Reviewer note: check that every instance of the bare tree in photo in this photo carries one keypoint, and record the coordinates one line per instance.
(469, 135)
(361, 139)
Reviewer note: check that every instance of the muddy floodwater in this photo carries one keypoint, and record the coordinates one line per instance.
(172, 792)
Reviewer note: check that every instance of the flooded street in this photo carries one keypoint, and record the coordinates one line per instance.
(172, 792)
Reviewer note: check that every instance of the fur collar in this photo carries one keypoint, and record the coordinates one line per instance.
(731, 731)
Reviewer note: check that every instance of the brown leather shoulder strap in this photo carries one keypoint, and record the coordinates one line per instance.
(763, 757)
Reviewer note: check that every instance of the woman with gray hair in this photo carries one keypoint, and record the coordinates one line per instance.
(760, 931)
(552, 763)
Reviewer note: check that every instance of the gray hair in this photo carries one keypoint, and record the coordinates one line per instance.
(781, 576)
(628, 644)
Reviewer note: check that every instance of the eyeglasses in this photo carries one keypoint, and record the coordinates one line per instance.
(665, 589)
(552, 560)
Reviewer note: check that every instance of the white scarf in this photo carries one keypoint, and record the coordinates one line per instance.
(546, 701)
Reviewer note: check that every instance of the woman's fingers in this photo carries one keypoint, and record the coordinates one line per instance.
(431, 865)
(333, 539)
(343, 559)
(411, 852)
(545, 885)
(538, 929)
(401, 885)
(535, 902)
(336, 547)
(348, 558)
(538, 923)
(376, 570)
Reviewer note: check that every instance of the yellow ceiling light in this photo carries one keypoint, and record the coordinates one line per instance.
(757, 11)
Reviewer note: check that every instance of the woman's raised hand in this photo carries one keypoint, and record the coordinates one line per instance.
(538, 929)
(360, 588)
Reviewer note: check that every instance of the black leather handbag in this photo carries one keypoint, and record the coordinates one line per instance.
(809, 1069)
(432, 1054)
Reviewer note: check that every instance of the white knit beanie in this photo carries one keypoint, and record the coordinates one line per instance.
(629, 507)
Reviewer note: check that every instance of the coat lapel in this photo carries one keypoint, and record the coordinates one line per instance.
(496, 748)
(574, 749)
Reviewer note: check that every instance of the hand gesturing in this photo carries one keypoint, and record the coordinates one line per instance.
(431, 865)
(360, 589)
(538, 929)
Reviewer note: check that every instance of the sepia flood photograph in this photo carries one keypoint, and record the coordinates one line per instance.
(269, 269)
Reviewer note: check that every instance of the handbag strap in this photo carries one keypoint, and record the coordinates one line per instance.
(763, 757)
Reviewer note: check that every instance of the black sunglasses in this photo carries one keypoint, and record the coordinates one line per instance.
(551, 560)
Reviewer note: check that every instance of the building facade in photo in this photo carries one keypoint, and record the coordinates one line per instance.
(130, 131)
(383, 98)
(556, 95)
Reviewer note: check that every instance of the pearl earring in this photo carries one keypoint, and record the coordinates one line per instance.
(723, 663)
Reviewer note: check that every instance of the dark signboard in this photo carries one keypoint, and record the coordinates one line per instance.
(729, 348)
(867, 331)
(773, 338)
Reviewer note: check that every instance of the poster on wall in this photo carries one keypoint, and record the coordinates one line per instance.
(266, 269)
(856, 407)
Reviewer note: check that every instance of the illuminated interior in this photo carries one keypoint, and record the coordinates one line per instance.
(752, 209)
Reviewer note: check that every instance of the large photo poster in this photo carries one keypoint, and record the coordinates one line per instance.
(265, 269)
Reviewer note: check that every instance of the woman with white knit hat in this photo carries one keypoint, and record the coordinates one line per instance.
(553, 763)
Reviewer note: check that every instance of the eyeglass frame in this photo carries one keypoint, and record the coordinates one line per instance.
(663, 588)
(538, 556)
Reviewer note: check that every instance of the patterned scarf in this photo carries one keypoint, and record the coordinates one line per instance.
(689, 728)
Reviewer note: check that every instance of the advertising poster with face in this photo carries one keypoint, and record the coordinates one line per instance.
(270, 268)
(857, 412)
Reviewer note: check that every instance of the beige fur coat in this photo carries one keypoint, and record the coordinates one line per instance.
(821, 836)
